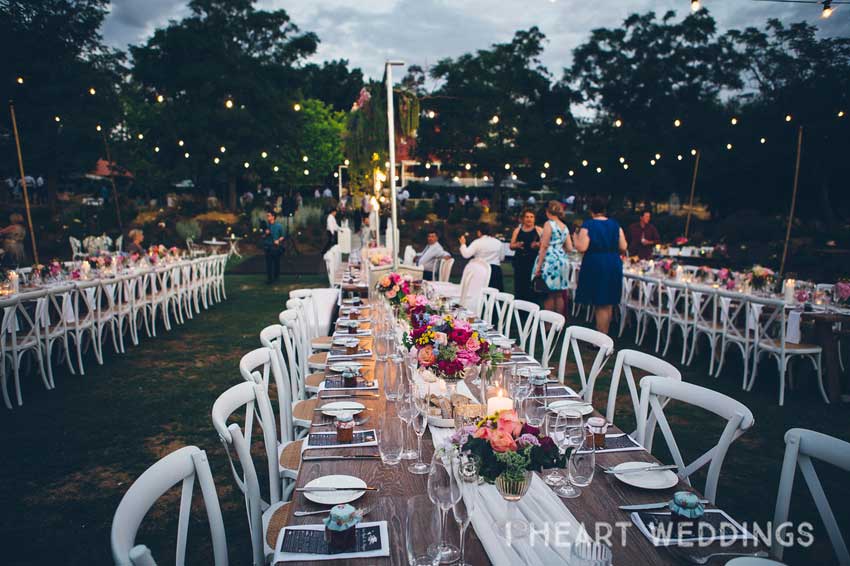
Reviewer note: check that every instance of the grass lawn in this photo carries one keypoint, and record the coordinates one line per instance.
(73, 452)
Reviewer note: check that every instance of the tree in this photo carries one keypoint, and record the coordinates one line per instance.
(54, 60)
(227, 78)
(332, 83)
(498, 111)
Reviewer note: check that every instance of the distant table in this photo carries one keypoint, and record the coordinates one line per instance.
(827, 338)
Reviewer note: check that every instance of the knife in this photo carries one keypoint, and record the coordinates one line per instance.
(374, 395)
(340, 409)
(329, 488)
(648, 506)
(644, 469)
(347, 457)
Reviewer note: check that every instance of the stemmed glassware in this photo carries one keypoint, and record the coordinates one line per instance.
(466, 470)
(555, 426)
(419, 422)
(444, 491)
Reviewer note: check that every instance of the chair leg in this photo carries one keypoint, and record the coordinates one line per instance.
(6, 399)
(748, 386)
(79, 344)
(723, 346)
(693, 350)
(48, 353)
(783, 363)
(667, 343)
(713, 342)
(684, 345)
(659, 325)
(819, 369)
(68, 354)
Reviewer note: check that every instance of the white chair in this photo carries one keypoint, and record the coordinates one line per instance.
(20, 335)
(445, 271)
(575, 335)
(630, 303)
(183, 465)
(476, 276)
(737, 329)
(549, 326)
(157, 299)
(652, 309)
(284, 340)
(52, 317)
(487, 304)
(770, 339)
(626, 362)
(657, 390)
(82, 330)
(525, 322)
(126, 310)
(76, 248)
(220, 268)
(678, 314)
(119, 243)
(300, 329)
(503, 312)
(705, 322)
(409, 255)
(105, 317)
(801, 446)
(265, 518)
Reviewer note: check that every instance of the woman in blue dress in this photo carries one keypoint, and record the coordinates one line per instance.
(600, 281)
(551, 262)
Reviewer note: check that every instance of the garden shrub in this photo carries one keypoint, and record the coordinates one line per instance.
(186, 229)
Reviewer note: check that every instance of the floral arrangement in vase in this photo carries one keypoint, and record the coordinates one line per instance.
(842, 291)
(380, 259)
(667, 267)
(506, 446)
(447, 347)
(394, 287)
(760, 277)
(726, 278)
(704, 273)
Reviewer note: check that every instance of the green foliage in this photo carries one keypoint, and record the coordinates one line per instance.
(186, 229)
(333, 83)
(308, 215)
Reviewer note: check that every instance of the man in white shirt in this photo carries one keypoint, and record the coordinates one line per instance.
(327, 193)
(427, 257)
(488, 249)
(332, 227)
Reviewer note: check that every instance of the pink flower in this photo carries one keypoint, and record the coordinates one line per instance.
(473, 344)
(441, 338)
(501, 441)
(482, 432)
(426, 356)
(842, 288)
(509, 423)
(467, 358)
(462, 325)
(391, 293)
(385, 282)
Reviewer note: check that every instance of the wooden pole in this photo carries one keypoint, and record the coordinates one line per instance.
(693, 190)
(793, 201)
(23, 181)
(112, 180)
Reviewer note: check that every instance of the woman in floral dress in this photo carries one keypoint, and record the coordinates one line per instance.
(551, 263)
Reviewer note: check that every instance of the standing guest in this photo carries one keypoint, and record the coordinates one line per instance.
(136, 239)
(600, 281)
(332, 228)
(365, 232)
(643, 236)
(13, 240)
(551, 263)
(525, 241)
(327, 193)
(489, 250)
(273, 246)
(428, 257)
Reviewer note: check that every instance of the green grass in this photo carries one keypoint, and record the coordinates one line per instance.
(72, 453)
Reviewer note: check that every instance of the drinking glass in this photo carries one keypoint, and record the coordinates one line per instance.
(582, 462)
(466, 470)
(571, 438)
(535, 412)
(406, 410)
(591, 554)
(555, 427)
(390, 443)
(444, 491)
(422, 528)
(419, 422)
(392, 378)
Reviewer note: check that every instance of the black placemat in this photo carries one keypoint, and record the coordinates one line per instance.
(309, 541)
(329, 438)
(615, 442)
(714, 524)
(555, 391)
(338, 382)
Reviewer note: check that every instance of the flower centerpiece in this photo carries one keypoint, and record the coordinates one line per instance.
(394, 287)
(507, 447)
(760, 277)
(704, 273)
(667, 267)
(726, 278)
(380, 259)
(447, 347)
(842, 291)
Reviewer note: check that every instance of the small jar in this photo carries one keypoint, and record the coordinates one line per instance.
(349, 378)
(354, 314)
(345, 428)
(340, 527)
(685, 508)
(597, 427)
(351, 346)
(537, 380)
(352, 328)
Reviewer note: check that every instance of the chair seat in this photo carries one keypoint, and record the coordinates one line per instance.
(709, 327)
(303, 411)
(290, 456)
(771, 345)
(274, 520)
(314, 380)
(633, 304)
(321, 343)
(23, 343)
(318, 360)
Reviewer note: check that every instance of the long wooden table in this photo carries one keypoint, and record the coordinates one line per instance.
(598, 503)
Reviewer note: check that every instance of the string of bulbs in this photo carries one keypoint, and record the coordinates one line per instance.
(826, 5)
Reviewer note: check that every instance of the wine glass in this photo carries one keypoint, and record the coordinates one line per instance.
(390, 443)
(555, 427)
(466, 469)
(571, 437)
(419, 422)
(422, 528)
(582, 462)
(444, 491)
(406, 410)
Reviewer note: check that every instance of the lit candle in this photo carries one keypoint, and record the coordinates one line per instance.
(789, 290)
(499, 403)
(13, 279)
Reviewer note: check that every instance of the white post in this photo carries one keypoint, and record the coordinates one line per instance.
(339, 176)
(391, 172)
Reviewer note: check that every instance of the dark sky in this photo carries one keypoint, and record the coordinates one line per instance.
(367, 32)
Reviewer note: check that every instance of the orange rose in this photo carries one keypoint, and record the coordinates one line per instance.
(482, 432)
(426, 356)
(509, 423)
(501, 441)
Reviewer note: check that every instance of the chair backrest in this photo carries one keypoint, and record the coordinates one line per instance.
(734, 316)
(409, 254)
(605, 348)
(525, 322)
(295, 351)
(183, 465)
(325, 301)
(261, 365)
(253, 399)
(774, 324)
(677, 301)
(446, 269)
(549, 326)
(628, 360)
(655, 390)
(703, 306)
(76, 247)
(119, 243)
(488, 301)
(503, 311)
(476, 276)
(801, 446)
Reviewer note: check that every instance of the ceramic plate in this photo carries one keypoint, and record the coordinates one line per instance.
(440, 422)
(663, 479)
(342, 366)
(335, 497)
(577, 405)
(333, 409)
(753, 561)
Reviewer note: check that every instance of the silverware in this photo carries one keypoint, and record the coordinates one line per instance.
(706, 559)
(339, 410)
(330, 488)
(644, 469)
(650, 506)
(356, 423)
(364, 511)
(350, 395)
(338, 457)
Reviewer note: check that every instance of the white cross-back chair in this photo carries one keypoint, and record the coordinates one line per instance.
(652, 308)
(573, 337)
(678, 314)
(52, 315)
(301, 332)
(253, 398)
(705, 322)
(476, 276)
(525, 323)
(625, 364)
(656, 391)
(488, 302)
(283, 339)
(801, 447)
(549, 327)
(181, 466)
(20, 334)
(737, 329)
(106, 318)
(76, 248)
(503, 310)
(409, 255)
(771, 339)
(82, 331)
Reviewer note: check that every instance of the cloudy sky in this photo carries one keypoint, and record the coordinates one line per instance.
(367, 32)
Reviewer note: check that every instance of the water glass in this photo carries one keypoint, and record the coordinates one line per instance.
(390, 439)
(571, 438)
(555, 425)
(406, 410)
(582, 462)
(591, 554)
(392, 378)
(535, 412)
(422, 528)
(444, 491)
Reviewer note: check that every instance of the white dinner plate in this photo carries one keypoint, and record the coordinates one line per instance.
(335, 497)
(753, 561)
(662, 479)
(342, 366)
(333, 409)
(440, 422)
(577, 405)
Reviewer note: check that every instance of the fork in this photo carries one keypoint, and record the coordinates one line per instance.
(706, 559)
(322, 511)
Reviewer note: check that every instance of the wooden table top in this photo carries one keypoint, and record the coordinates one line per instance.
(598, 502)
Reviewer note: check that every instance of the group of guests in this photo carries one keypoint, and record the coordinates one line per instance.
(540, 258)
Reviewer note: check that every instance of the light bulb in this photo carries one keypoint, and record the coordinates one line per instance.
(652, 162)
(305, 159)
(92, 91)
(427, 178)
(677, 122)
(788, 117)
(222, 149)
(275, 168)
(762, 140)
(98, 128)
(584, 162)
(160, 98)
(264, 154)
(494, 119)
(571, 173)
(734, 121)
(622, 159)
(427, 166)
(180, 143)
(306, 171)
(246, 165)
(599, 169)
(346, 162)
(841, 113)
(20, 80)
(431, 114)
(486, 178)
(679, 157)
(546, 165)
(693, 151)
(559, 121)
(228, 104)
(467, 166)
(296, 107)
(507, 166)
(728, 146)
(618, 123)
(336, 174)
(156, 149)
(513, 176)
(657, 156)
(57, 119)
(216, 160)
(542, 175)
(186, 155)
(141, 136)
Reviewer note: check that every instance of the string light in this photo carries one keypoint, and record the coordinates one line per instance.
(305, 159)
(494, 119)
(222, 149)
(296, 107)
(431, 114)
(827, 9)
(679, 157)
(657, 156)
(467, 166)
(546, 165)
(734, 121)
(20, 80)
(275, 168)
(427, 178)
(346, 162)
(599, 169)
(336, 174)
(559, 121)
(788, 117)
(693, 151)
(216, 160)
(455, 179)
(622, 159)
(542, 175)
(181, 143)
(246, 165)
(507, 166)
(160, 98)
(141, 136)
(584, 162)
(729, 146)
(618, 123)
(228, 103)
(57, 119)
(486, 178)
(841, 113)
(92, 91)
(762, 140)
(264, 154)
(427, 166)
(306, 171)
(571, 173)
(98, 128)
(513, 176)
(695, 5)
(186, 155)
(156, 149)
(652, 162)
(625, 165)
(677, 122)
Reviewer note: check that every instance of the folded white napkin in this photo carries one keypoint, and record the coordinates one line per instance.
(349, 357)
(792, 328)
